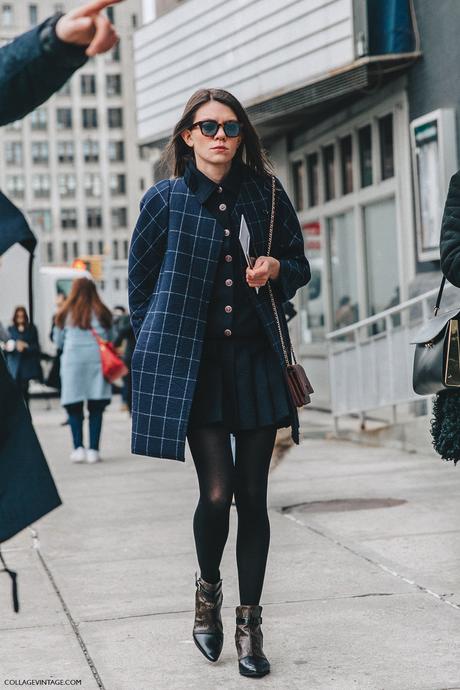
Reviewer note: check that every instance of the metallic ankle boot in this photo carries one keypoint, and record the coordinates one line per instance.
(207, 629)
(249, 639)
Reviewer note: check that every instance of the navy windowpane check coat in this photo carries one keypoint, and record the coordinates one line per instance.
(173, 259)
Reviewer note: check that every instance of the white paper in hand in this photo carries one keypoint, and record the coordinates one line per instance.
(245, 239)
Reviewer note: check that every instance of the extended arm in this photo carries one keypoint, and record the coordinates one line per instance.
(33, 67)
(39, 62)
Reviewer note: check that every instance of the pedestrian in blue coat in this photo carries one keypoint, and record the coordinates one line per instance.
(82, 315)
(208, 359)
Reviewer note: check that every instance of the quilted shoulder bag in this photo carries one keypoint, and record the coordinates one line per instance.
(299, 386)
(437, 351)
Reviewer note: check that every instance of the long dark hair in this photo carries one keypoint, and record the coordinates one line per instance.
(80, 304)
(15, 316)
(177, 153)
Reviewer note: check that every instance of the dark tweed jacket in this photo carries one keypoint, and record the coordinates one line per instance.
(172, 264)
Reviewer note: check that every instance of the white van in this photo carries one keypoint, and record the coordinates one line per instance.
(47, 282)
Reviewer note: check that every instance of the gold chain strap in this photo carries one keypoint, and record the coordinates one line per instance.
(275, 311)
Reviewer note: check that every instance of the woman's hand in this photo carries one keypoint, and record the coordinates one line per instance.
(21, 345)
(265, 268)
(86, 26)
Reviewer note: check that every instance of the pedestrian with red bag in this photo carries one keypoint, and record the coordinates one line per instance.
(82, 326)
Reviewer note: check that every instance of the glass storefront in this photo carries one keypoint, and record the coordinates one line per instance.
(350, 225)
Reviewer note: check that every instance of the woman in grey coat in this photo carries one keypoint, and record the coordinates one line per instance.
(81, 369)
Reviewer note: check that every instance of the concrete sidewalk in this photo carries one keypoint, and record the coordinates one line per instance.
(357, 595)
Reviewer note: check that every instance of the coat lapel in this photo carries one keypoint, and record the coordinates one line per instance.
(201, 238)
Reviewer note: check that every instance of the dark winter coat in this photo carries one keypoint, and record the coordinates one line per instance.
(25, 365)
(450, 233)
(173, 258)
(30, 71)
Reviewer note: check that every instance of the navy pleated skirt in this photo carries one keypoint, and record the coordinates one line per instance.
(241, 384)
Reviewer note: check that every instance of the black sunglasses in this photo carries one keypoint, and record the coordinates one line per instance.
(209, 128)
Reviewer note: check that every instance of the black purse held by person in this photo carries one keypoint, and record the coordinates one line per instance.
(437, 351)
(437, 371)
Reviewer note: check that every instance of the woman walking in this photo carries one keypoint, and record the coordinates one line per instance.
(208, 359)
(23, 351)
(82, 315)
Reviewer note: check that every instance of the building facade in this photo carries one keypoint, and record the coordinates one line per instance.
(73, 165)
(354, 102)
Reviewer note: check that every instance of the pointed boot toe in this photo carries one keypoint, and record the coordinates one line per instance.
(252, 661)
(208, 633)
(209, 644)
(255, 666)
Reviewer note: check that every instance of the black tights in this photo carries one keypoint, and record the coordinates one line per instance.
(219, 479)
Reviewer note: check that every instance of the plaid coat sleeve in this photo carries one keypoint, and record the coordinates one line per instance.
(450, 233)
(288, 247)
(146, 252)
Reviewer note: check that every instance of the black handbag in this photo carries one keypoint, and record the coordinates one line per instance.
(437, 352)
(299, 386)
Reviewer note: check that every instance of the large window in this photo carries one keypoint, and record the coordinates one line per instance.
(41, 185)
(7, 15)
(91, 151)
(313, 179)
(15, 186)
(94, 217)
(66, 151)
(68, 218)
(345, 196)
(116, 151)
(365, 155)
(40, 152)
(41, 221)
(115, 118)
(346, 156)
(64, 118)
(89, 118)
(298, 180)
(87, 84)
(93, 185)
(381, 244)
(67, 183)
(33, 14)
(113, 84)
(119, 217)
(343, 269)
(13, 152)
(39, 119)
(117, 184)
(329, 172)
(387, 165)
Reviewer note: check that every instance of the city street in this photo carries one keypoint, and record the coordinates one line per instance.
(357, 595)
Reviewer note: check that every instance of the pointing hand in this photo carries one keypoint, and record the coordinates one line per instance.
(87, 26)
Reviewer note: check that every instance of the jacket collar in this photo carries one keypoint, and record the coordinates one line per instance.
(202, 186)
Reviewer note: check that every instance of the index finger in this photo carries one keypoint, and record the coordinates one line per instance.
(94, 7)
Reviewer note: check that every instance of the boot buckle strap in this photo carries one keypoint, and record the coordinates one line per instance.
(247, 620)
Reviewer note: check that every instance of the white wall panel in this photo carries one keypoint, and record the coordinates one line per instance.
(254, 48)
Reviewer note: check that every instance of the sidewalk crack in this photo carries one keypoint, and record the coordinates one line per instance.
(382, 566)
(70, 618)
